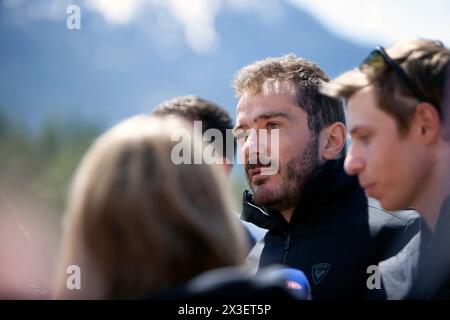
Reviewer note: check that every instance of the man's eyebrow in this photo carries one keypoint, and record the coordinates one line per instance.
(265, 116)
(358, 128)
(272, 114)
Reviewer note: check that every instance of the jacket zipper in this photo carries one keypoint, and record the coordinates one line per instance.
(287, 247)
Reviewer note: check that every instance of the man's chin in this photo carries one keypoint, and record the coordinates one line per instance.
(389, 205)
(263, 196)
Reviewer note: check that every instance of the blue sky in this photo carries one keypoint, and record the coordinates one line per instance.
(130, 55)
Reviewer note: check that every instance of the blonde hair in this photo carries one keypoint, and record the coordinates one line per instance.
(139, 223)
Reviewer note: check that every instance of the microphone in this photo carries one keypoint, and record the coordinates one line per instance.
(275, 283)
(294, 280)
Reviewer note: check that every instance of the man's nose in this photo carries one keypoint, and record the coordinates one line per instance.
(253, 147)
(353, 164)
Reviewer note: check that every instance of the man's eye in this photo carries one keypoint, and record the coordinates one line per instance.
(365, 138)
(273, 125)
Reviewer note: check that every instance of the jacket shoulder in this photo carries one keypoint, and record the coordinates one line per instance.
(392, 230)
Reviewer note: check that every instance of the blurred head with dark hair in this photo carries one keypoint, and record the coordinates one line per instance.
(211, 115)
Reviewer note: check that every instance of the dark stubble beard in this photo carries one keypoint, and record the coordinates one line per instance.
(296, 173)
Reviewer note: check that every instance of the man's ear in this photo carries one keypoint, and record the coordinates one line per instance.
(427, 122)
(332, 140)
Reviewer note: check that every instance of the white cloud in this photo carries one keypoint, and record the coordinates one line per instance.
(116, 11)
(196, 17)
(384, 21)
(363, 21)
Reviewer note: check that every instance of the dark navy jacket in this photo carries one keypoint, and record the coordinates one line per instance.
(334, 235)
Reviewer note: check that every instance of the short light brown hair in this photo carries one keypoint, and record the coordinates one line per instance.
(137, 222)
(424, 61)
(305, 76)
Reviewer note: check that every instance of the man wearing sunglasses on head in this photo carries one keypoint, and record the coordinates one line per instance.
(318, 218)
(401, 155)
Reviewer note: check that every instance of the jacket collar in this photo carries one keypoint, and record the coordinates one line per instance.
(328, 185)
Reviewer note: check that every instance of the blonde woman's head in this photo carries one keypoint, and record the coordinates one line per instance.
(136, 222)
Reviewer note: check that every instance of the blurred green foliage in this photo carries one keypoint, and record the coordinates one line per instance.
(41, 162)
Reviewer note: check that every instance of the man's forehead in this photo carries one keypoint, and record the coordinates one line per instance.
(275, 96)
(360, 106)
(359, 124)
(250, 110)
(363, 111)
(362, 103)
(366, 93)
(271, 87)
(278, 86)
(271, 91)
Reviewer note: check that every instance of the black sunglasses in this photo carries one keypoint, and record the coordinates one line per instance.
(377, 60)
